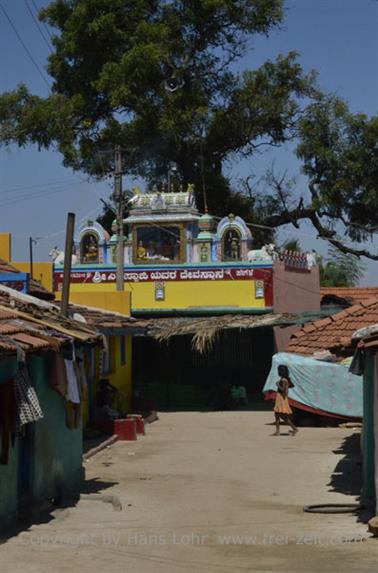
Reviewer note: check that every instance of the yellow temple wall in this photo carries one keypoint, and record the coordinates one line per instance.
(178, 294)
(120, 373)
(100, 296)
(42, 272)
(6, 247)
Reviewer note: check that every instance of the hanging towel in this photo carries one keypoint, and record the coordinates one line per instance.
(73, 394)
(28, 407)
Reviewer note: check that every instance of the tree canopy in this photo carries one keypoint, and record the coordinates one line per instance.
(160, 78)
(340, 269)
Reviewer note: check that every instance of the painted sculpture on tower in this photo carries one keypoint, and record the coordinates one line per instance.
(177, 259)
(166, 228)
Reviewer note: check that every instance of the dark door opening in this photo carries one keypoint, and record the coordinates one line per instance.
(25, 460)
(172, 376)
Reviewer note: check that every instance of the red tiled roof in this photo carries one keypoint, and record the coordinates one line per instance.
(357, 294)
(105, 319)
(334, 333)
(33, 325)
(35, 288)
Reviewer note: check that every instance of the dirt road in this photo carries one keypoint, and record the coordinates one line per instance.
(203, 493)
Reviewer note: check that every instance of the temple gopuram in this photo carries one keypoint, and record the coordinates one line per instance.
(215, 303)
(176, 259)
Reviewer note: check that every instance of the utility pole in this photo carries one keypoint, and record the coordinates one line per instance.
(31, 241)
(67, 263)
(118, 196)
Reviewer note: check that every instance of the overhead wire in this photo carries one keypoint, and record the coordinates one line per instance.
(38, 26)
(80, 221)
(26, 49)
(39, 185)
(270, 228)
(39, 194)
(37, 9)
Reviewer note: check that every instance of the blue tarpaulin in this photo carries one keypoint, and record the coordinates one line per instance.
(319, 386)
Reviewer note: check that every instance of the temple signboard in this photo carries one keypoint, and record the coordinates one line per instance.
(152, 275)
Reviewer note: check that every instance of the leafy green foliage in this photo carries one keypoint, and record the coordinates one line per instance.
(158, 78)
(340, 270)
(292, 245)
(340, 156)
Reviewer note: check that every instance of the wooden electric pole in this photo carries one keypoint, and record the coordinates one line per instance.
(118, 195)
(67, 264)
(31, 256)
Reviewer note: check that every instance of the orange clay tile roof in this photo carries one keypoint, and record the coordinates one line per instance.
(357, 294)
(34, 325)
(35, 288)
(334, 333)
(108, 320)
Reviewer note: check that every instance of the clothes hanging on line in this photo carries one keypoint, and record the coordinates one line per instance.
(73, 393)
(73, 416)
(28, 407)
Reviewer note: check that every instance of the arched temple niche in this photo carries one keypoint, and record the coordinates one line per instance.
(234, 239)
(89, 248)
(231, 245)
(92, 244)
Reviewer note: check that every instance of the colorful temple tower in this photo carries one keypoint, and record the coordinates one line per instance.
(176, 259)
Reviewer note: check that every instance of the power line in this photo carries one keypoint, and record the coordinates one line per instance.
(41, 193)
(37, 9)
(38, 26)
(27, 198)
(269, 228)
(57, 233)
(24, 46)
(41, 185)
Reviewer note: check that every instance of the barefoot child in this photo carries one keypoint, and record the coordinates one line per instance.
(282, 408)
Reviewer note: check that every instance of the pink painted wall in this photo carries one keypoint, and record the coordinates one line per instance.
(293, 291)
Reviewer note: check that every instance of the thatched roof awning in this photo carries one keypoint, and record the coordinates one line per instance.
(205, 330)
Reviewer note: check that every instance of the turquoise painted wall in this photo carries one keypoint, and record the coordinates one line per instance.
(8, 473)
(56, 460)
(57, 450)
(368, 430)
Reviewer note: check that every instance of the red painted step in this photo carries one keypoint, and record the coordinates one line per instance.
(125, 429)
(140, 426)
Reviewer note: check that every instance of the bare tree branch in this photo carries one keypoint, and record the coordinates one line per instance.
(330, 235)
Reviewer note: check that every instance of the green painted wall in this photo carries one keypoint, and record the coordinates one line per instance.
(368, 430)
(57, 450)
(56, 457)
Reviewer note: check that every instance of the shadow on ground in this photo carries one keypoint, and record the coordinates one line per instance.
(347, 475)
(52, 509)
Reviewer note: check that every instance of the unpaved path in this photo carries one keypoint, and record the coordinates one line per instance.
(208, 493)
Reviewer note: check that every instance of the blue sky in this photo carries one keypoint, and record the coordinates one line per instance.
(338, 38)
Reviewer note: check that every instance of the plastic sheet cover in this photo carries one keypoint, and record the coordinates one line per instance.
(319, 385)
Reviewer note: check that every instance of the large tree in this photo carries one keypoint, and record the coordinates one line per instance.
(340, 269)
(159, 78)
